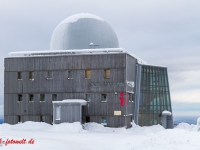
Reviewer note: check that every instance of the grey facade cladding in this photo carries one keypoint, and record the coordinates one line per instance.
(122, 68)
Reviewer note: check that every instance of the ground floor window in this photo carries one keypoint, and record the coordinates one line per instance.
(104, 121)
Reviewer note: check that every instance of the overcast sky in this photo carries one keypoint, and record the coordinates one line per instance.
(162, 32)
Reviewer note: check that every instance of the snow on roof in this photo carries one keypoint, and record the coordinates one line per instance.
(81, 101)
(74, 52)
(165, 112)
(76, 17)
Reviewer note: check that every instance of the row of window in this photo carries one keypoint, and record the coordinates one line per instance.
(42, 118)
(70, 74)
(42, 97)
(54, 97)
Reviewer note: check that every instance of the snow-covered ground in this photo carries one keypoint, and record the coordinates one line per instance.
(72, 136)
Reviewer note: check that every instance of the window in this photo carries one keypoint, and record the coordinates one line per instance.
(31, 98)
(54, 97)
(57, 112)
(19, 98)
(107, 73)
(70, 74)
(31, 75)
(87, 97)
(42, 118)
(103, 97)
(49, 75)
(104, 121)
(42, 98)
(87, 74)
(130, 97)
(19, 75)
(19, 118)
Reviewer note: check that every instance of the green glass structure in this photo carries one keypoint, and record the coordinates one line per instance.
(154, 95)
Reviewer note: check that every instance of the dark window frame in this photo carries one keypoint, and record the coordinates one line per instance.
(70, 74)
(19, 75)
(102, 97)
(54, 97)
(31, 75)
(86, 98)
(19, 95)
(42, 97)
(31, 98)
(49, 74)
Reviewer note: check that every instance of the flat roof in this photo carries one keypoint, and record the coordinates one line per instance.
(81, 101)
(74, 52)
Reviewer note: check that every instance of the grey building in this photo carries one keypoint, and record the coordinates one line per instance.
(85, 62)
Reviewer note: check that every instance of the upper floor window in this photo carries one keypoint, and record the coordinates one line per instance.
(70, 74)
(31, 75)
(87, 74)
(19, 98)
(87, 97)
(19, 75)
(107, 73)
(54, 97)
(130, 96)
(49, 75)
(103, 97)
(42, 98)
(31, 98)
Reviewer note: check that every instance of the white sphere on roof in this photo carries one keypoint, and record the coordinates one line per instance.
(83, 31)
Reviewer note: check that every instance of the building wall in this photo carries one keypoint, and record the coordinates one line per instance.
(65, 88)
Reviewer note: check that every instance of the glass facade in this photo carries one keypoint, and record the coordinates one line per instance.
(154, 95)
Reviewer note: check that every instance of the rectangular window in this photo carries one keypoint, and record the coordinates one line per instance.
(107, 73)
(54, 97)
(19, 118)
(130, 97)
(70, 74)
(42, 98)
(42, 118)
(19, 75)
(103, 97)
(87, 97)
(49, 75)
(87, 74)
(19, 98)
(104, 121)
(31, 97)
(57, 112)
(31, 75)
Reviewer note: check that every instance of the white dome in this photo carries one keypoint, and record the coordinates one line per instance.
(83, 31)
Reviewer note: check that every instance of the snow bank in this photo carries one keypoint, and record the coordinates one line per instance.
(189, 127)
(146, 129)
(43, 127)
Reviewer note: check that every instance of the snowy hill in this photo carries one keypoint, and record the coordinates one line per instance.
(92, 136)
